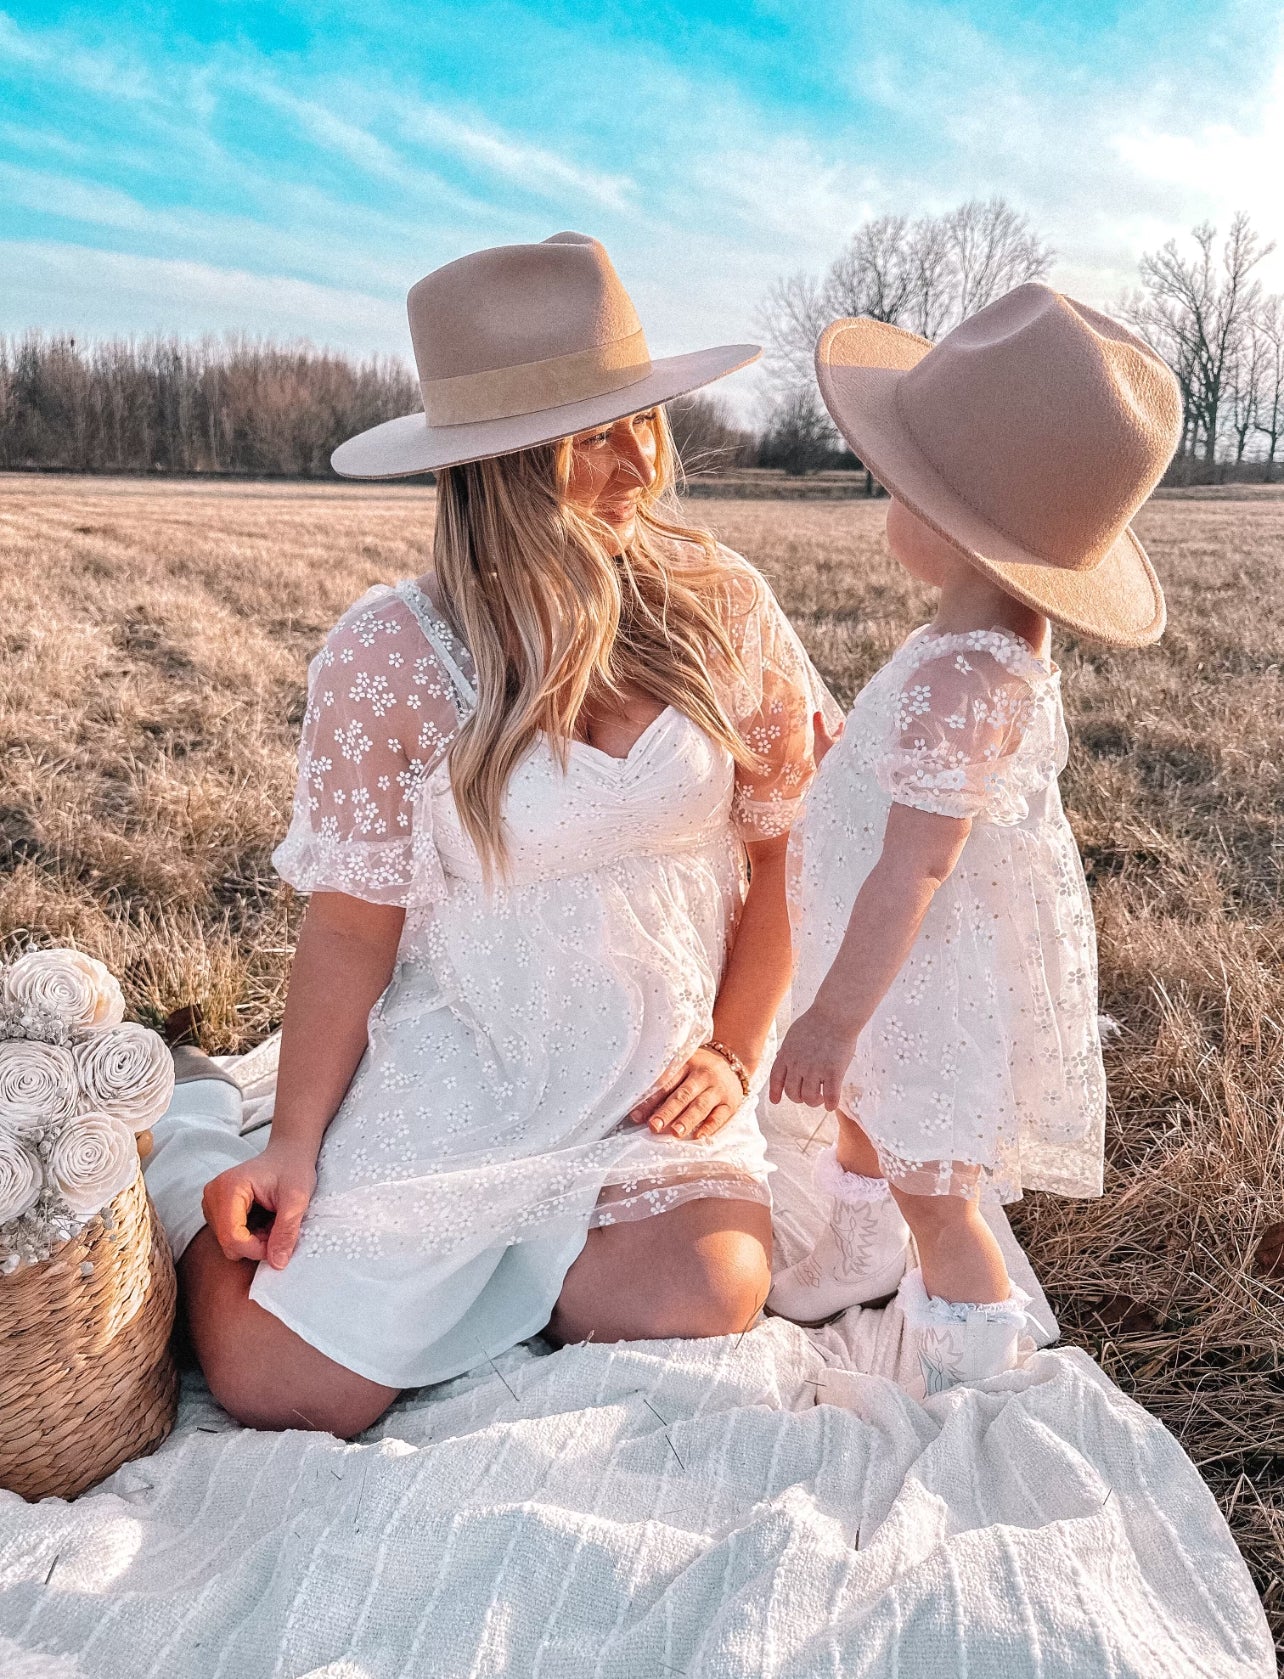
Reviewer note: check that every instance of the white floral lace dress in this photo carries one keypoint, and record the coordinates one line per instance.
(486, 1127)
(985, 1050)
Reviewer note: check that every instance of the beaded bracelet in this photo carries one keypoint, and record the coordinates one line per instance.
(733, 1061)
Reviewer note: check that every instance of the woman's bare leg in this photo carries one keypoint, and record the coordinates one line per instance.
(702, 1269)
(260, 1371)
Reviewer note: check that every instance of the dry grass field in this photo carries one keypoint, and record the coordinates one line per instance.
(155, 644)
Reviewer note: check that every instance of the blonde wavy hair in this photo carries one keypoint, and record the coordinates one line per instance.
(556, 619)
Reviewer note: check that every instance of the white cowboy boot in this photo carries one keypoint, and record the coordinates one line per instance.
(953, 1343)
(860, 1256)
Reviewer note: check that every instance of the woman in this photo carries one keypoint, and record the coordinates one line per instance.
(534, 985)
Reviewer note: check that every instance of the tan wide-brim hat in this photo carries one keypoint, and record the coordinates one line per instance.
(521, 345)
(1028, 438)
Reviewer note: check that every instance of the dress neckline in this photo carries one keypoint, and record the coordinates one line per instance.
(627, 757)
(1047, 669)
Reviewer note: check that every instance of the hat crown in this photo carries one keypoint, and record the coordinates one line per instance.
(514, 304)
(1052, 421)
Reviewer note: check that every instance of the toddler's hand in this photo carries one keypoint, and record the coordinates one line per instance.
(813, 1061)
(821, 737)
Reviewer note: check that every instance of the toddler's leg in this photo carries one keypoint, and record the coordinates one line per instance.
(965, 1319)
(957, 1251)
(854, 1151)
(862, 1253)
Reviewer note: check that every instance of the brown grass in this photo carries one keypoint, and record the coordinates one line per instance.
(156, 638)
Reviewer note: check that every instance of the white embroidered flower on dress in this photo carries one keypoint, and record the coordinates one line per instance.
(353, 742)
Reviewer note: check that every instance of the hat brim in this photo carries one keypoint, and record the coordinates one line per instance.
(859, 364)
(409, 445)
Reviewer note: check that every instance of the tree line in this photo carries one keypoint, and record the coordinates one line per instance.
(238, 405)
(162, 404)
(1204, 310)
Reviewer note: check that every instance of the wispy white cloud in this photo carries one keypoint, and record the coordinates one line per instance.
(248, 190)
(58, 54)
(70, 199)
(540, 171)
(326, 128)
(99, 293)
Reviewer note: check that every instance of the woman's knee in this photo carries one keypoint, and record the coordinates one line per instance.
(257, 1369)
(260, 1400)
(720, 1292)
(722, 1297)
(702, 1270)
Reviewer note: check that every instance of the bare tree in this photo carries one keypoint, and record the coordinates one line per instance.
(799, 436)
(790, 320)
(1270, 408)
(875, 274)
(165, 405)
(926, 275)
(1195, 311)
(706, 437)
(1244, 376)
(993, 248)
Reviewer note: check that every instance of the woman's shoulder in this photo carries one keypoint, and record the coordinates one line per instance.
(377, 618)
(390, 623)
(381, 657)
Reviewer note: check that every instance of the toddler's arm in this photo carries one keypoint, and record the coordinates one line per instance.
(920, 850)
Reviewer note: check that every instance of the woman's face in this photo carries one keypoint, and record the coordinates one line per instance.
(611, 468)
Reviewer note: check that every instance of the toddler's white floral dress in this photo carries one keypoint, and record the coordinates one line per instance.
(985, 1050)
(486, 1128)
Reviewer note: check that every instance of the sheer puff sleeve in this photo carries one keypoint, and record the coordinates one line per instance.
(974, 728)
(774, 705)
(380, 716)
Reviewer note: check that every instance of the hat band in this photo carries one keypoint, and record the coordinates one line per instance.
(504, 393)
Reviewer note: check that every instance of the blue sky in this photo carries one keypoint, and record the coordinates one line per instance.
(291, 169)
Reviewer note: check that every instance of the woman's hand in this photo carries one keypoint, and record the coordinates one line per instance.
(813, 1060)
(693, 1099)
(280, 1180)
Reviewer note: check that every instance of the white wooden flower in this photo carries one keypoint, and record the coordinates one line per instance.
(75, 987)
(92, 1161)
(21, 1177)
(39, 1089)
(126, 1071)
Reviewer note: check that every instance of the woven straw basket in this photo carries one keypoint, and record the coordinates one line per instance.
(86, 1376)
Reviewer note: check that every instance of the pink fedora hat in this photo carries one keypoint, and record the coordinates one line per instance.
(1028, 437)
(521, 345)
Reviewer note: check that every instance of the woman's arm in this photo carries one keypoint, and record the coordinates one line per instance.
(699, 1096)
(920, 851)
(344, 960)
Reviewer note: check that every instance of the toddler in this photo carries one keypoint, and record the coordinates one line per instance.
(945, 991)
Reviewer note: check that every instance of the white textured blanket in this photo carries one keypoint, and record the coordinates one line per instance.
(771, 1504)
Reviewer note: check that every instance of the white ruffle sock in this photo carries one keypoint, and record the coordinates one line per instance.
(196, 1138)
(860, 1256)
(954, 1343)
